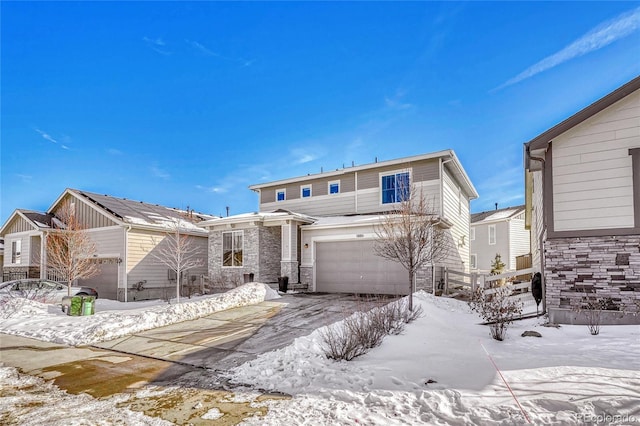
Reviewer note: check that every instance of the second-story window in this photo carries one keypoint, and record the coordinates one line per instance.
(281, 195)
(334, 187)
(395, 187)
(305, 191)
(492, 234)
(472, 234)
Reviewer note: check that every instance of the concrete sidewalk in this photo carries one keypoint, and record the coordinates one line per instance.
(89, 370)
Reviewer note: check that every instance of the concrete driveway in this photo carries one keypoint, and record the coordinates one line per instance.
(223, 340)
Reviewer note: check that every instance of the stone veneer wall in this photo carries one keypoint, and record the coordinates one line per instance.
(31, 271)
(261, 257)
(608, 267)
(306, 276)
(270, 253)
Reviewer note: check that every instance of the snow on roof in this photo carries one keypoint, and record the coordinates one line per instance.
(146, 214)
(41, 220)
(259, 216)
(495, 215)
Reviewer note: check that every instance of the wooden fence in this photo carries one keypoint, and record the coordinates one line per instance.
(461, 283)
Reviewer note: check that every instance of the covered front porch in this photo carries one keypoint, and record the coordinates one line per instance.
(262, 245)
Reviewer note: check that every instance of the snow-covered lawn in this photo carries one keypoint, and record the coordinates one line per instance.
(565, 377)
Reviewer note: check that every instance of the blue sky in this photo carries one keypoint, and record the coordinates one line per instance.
(186, 104)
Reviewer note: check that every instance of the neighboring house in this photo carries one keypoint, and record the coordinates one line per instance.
(498, 232)
(23, 234)
(2, 258)
(583, 206)
(319, 230)
(125, 233)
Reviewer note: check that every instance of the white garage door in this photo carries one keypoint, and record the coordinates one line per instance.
(352, 267)
(106, 282)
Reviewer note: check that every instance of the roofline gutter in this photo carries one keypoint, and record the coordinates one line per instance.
(430, 156)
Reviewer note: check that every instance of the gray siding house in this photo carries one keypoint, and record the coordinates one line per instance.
(320, 229)
(500, 231)
(582, 198)
(125, 233)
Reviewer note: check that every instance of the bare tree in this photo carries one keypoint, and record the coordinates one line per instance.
(412, 235)
(69, 248)
(178, 252)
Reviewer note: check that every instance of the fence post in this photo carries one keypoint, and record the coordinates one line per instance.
(474, 281)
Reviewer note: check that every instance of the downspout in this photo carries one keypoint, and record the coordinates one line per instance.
(544, 229)
(124, 261)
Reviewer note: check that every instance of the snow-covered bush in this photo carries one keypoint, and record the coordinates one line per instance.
(363, 330)
(497, 309)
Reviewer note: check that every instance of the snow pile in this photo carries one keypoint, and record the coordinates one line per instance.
(19, 307)
(37, 321)
(440, 371)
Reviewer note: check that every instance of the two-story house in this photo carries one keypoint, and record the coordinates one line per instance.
(500, 231)
(320, 229)
(582, 200)
(126, 234)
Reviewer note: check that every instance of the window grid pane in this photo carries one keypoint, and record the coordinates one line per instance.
(388, 189)
(232, 248)
(396, 188)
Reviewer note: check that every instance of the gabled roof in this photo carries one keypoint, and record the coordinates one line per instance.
(448, 154)
(496, 215)
(139, 213)
(37, 220)
(543, 139)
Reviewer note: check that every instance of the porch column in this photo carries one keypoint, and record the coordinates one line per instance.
(289, 262)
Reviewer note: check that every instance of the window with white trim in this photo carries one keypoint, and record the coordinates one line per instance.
(473, 261)
(395, 187)
(334, 187)
(232, 248)
(305, 191)
(492, 235)
(472, 234)
(281, 194)
(16, 251)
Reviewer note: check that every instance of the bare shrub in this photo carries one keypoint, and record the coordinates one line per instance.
(365, 329)
(497, 309)
(592, 306)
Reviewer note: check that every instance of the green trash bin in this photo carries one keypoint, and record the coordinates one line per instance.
(75, 308)
(88, 305)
